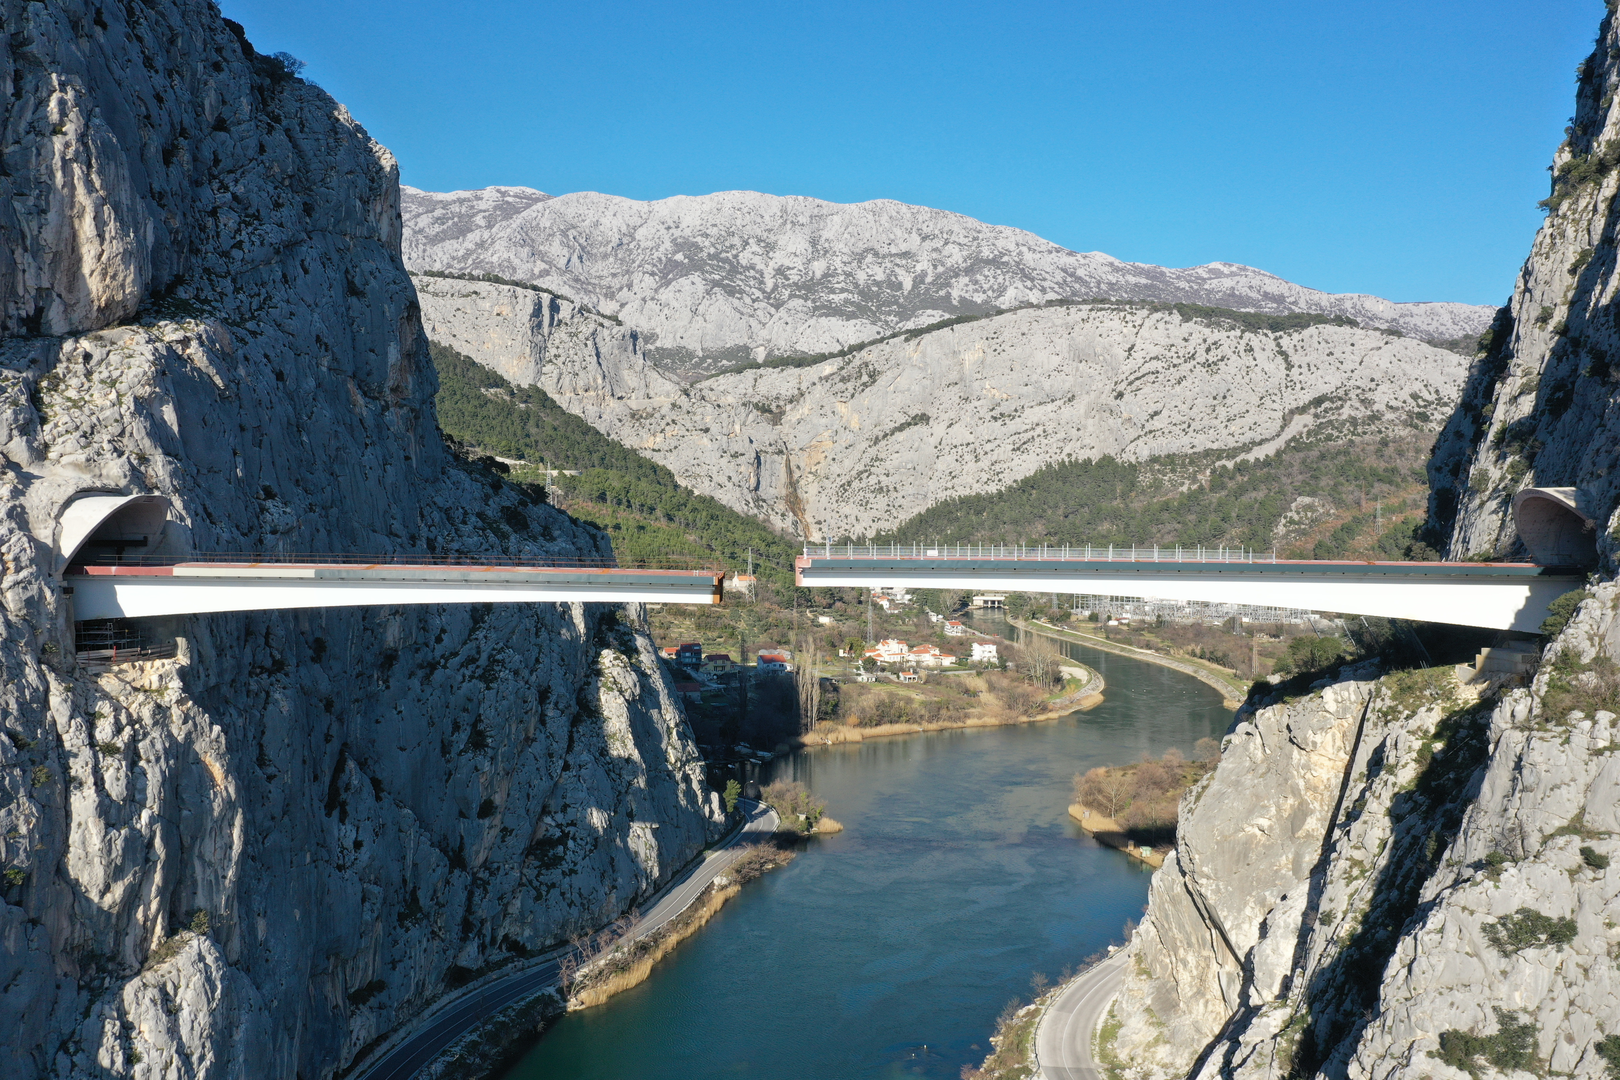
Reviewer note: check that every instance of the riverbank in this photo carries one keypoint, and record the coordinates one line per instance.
(1232, 692)
(1105, 830)
(1087, 696)
(478, 1029)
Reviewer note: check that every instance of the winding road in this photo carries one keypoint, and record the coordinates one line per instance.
(461, 1014)
(1064, 1035)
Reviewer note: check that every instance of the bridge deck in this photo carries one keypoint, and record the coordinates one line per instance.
(134, 590)
(1504, 596)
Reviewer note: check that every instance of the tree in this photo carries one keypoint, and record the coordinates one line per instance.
(732, 793)
(1108, 790)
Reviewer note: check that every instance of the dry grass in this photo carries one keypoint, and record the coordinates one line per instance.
(617, 973)
(828, 825)
(630, 961)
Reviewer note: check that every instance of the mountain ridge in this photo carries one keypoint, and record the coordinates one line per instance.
(736, 276)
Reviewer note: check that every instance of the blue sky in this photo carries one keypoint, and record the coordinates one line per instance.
(1395, 148)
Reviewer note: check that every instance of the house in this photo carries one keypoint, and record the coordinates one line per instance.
(865, 676)
(954, 628)
(691, 691)
(689, 653)
(930, 656)
(910, 676)
(773, 662)
(668, 651)
(984, 652)
(888, 651)
(717, 663)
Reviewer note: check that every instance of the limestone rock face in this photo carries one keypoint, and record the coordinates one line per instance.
(1388, 860)
(1541, 408)
(859, 443)
(714, 279)
(259, 856)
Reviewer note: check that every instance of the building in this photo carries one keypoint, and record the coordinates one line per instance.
(691, 691)
(955, 629)
(910, 676)
(990, 600)
(689, 653)
(773, 662)
(888, 651)
(718, 663)
(984, 652)
(930, 656)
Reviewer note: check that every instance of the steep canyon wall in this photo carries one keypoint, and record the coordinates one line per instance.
(1394, 875)
(256, 857)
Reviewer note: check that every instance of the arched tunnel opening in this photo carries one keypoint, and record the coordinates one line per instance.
(102, 526)
(1554, 529)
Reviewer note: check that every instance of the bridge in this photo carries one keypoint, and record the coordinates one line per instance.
(97, 533)
(1502, 596)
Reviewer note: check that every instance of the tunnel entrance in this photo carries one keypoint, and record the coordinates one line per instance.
(100, 525)
(1554, 529)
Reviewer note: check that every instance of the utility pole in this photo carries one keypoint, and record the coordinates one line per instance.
(1378, 519)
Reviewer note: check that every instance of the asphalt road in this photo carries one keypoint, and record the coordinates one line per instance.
(467, 1012)
(1063, 1037)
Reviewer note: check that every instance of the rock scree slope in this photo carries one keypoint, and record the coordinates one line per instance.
(739, 275)
(257, 857)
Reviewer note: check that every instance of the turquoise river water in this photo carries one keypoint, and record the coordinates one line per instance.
(888, 949)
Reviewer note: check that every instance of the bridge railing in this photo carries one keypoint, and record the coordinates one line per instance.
(1197, 553)
(282, 558)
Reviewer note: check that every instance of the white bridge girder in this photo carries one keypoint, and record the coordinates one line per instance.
(1502, 596)
(130, 592)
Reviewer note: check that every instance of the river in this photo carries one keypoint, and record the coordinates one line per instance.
(887, 950)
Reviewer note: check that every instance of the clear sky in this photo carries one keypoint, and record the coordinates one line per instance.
(1384, 146)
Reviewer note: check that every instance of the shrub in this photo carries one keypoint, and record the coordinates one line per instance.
(732, 793)
(1593, 859)
(799, 809)
(1528, 928)
(199, 921)
(1561, 610)
(1608, 1048)
(1512, 1047)
(16, 875)
(40, 776)
(1572, 685)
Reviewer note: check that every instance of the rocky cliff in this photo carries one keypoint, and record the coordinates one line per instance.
(737, 275)
(859, 443)
(259, 856)
(1397, 875)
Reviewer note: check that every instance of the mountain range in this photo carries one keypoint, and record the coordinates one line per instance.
(715, 280)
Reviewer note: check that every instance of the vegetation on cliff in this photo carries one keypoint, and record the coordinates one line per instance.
(646, 512)
(1368, 497)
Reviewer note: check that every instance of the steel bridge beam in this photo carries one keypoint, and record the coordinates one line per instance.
(1502, 596)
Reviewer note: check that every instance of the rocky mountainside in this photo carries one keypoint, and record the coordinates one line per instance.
(1394, 875)
(716, 279)
(260, 856)
(859, 443)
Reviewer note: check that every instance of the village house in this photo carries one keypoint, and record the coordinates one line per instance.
(954, 628)
(910, 676)
(984, 652)
(773, 662)
(689, 653)
(691, 691)
(930, 656)
(717, 663)
(888, 651)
